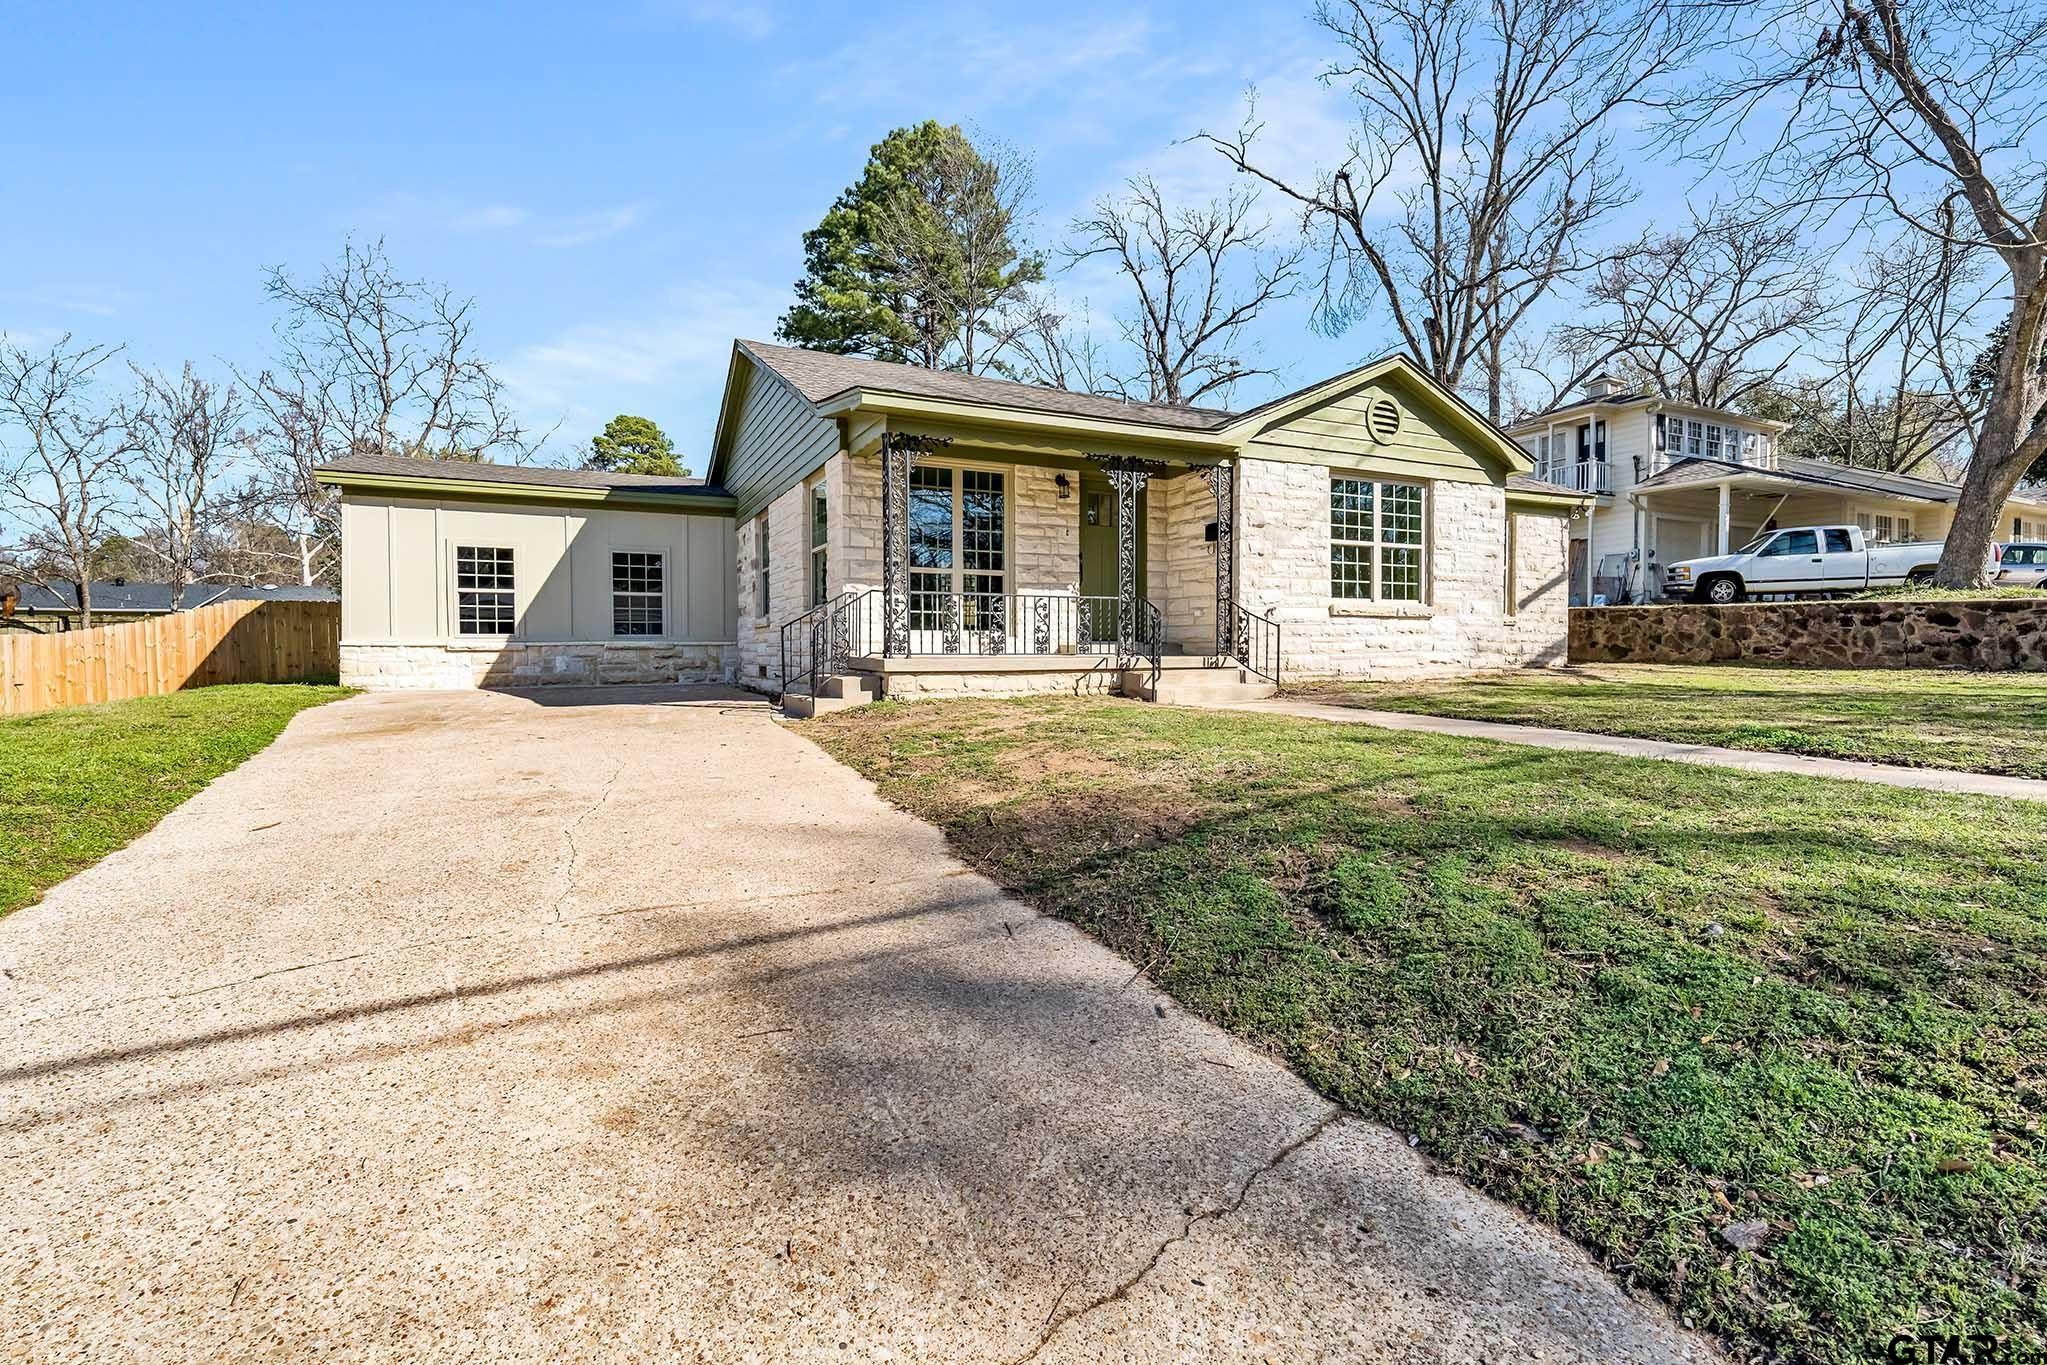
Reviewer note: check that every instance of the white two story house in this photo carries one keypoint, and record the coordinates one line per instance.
(1673, 481)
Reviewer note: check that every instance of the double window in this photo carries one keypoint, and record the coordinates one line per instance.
(958, 545)
(637, 592)
(1375, 540)
(483, 590)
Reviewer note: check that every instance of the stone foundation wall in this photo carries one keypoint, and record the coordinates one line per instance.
(1465, 626)
(458, 667)
(1992, 633)
(909, 686)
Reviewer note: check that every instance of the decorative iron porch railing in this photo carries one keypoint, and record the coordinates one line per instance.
(1257, 643)
(809, 647)
(828, 637)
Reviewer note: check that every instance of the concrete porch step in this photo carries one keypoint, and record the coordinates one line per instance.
(839, 692)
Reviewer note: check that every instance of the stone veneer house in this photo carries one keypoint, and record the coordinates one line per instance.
(870, 528)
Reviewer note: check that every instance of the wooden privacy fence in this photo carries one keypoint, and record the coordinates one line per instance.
(228, 642)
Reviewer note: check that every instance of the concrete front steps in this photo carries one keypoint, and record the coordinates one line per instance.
(1195, 682)
(838, 692)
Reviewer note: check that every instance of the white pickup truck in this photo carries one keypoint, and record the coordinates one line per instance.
(1798, 560)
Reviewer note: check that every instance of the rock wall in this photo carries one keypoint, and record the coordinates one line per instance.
(2005, 634)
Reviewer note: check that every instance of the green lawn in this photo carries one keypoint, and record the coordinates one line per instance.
(77, 784)
(1648, 1002)
(1977, 722)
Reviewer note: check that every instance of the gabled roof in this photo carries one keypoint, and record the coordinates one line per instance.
(825, 380)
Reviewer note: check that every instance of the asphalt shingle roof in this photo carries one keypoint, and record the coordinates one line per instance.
(1800, 470)
(820, 375)
(546, 476)
(125, 597)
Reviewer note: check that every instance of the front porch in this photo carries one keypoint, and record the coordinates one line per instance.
(1000, 571)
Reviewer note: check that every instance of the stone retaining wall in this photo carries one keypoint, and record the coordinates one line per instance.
(520, 664)
(1988, 633)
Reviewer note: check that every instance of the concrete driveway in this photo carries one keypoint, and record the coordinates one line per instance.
(630, 1026)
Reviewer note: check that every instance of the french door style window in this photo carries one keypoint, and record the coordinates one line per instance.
(1375, 541)
(636, 592)
(958, 545)
(483, 590)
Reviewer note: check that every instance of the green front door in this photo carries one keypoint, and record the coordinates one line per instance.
(1098, 538)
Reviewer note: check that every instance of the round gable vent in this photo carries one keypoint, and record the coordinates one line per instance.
(1383, 417)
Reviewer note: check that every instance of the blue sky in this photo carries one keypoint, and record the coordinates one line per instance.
(623, 188)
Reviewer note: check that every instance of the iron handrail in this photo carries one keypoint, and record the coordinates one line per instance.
(1257, 642)
(812, 638)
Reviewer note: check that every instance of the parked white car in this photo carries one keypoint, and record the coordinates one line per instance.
(2022, 565)
(1800, 560)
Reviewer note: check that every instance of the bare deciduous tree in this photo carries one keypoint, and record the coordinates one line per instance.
(1709, 315)
(60, 461)
(182, 442)
(369, 363)
(1925, 114)
(1200, 276)
(1891, 391)
(1481, 163)
(1048, 346)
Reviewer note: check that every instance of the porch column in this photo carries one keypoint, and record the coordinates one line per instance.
(1128, 480)
(899, 452)
(1220, 485)
(1726, 518)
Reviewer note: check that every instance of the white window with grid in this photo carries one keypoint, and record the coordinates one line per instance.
(760, 565)
(638, 592)
(959, 547)
(484, 592)
(1375, 540)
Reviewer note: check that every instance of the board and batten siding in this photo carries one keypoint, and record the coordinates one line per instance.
(397, 568)
(778, 443)
(1338, 434)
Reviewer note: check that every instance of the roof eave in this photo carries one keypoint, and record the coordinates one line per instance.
(866, 400)
(350, 480)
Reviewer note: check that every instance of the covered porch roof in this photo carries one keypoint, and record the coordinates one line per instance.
(1793, 475)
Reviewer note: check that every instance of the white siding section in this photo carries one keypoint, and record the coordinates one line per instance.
(398, 569)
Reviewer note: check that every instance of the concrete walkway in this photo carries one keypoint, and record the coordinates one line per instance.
(1748, 760)
(630, 1026)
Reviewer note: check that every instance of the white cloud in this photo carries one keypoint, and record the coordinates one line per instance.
(584, 228)
(989, 61)
(667, 364)
(748, 20)
(487, 218)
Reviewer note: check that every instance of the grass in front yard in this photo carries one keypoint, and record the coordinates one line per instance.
(1912, 592)
(1926, 718)
(78, 783)
(1648, 1002)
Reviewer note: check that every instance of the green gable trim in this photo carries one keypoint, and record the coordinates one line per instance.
(467, 490)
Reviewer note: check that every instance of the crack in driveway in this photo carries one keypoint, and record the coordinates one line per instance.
(1192, 1221)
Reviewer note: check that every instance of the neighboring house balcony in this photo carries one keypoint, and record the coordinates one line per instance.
(1580, 476)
